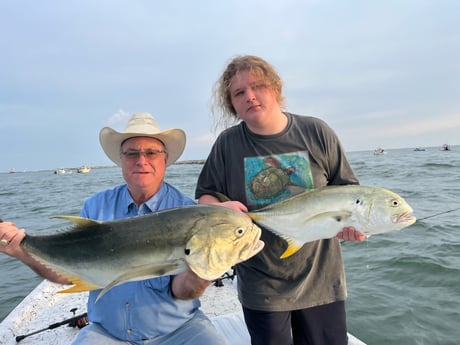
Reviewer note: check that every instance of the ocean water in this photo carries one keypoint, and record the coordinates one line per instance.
(403, 287)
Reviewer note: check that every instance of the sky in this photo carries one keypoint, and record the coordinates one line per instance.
(380, 73)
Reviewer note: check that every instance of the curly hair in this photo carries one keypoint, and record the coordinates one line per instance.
(222, 108)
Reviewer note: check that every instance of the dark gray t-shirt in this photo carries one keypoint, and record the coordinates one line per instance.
(261, 169)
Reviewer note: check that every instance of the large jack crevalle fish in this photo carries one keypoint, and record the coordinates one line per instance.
(321, 213)
(95, 254)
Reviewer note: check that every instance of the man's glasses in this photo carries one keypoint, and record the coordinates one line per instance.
(133, 155)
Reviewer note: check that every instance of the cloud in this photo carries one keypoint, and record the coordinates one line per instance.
(120, 118)
(425, 126)
(379, 74)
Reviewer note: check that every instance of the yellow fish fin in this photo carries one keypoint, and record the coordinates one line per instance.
(78, 220)
(293, 247)
(79, 286)
(255, 216)
(293, 244)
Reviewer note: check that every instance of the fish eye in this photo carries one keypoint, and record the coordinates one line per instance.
(187, 251)
(239, 232)
(358, 202)
(394, 202)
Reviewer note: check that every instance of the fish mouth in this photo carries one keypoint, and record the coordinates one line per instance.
(258, 247)
(254, 247)
(405, 218)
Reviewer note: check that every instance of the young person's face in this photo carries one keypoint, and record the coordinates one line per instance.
(253, 100)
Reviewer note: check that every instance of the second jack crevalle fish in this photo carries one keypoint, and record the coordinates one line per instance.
(321, 213)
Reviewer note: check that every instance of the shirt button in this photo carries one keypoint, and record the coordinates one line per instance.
(129, 330)
(127, 304)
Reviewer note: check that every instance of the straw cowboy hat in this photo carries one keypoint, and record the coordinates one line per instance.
(142, 125)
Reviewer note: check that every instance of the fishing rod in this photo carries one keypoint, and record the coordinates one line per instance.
(79, 321)
(437, 214)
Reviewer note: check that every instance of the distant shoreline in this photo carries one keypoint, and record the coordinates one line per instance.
(196, 161)
(192, 161)
(454, 147)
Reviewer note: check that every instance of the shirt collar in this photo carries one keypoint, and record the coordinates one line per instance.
(150, 205)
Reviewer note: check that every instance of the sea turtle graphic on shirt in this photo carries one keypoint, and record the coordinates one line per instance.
(271, 181)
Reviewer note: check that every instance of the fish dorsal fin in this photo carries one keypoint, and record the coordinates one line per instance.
(78, 220)
(79, 285)
(141, 273)
(255, 216)
(222, 197)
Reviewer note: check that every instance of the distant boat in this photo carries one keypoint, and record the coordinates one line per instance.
(379, 151)
(84, 169)
(61, 171)
(419, 149)
(446, 147)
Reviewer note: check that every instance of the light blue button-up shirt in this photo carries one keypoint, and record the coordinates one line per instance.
(144, 309)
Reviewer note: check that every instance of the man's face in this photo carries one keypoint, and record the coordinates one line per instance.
(143, 162)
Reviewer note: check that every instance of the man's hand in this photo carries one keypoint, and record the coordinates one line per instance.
(10, 244)
(233, 205)
(187, 285)
(349, 233)
(10, 240)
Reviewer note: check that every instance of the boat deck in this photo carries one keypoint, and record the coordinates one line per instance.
(44, 307)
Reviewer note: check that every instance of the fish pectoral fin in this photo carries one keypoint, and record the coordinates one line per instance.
(293, 247)
(79, 286)
(332, 216)
(141, 273)
(326, 225)
(81, 221)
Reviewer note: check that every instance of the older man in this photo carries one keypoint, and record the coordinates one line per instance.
(162, 310)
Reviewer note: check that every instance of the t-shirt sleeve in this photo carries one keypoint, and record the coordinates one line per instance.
(212, 175)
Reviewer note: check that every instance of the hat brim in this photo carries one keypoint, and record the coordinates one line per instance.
(173, 140)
